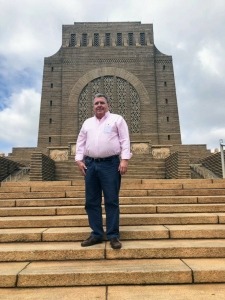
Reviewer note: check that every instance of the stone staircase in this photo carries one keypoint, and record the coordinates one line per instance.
(140, 166)
(172, 231)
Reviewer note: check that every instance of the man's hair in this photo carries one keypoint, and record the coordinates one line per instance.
(100, 95)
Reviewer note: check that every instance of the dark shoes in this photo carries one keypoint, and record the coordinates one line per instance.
(115, 243)
(91, 241)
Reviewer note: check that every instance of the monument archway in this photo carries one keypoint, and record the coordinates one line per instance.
(125, 91)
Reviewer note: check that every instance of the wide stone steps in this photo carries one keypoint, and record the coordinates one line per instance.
(115, 292)
(140, 166)
(141, 232)
(116, 272)
(124, 209)
(172, 231)
(126, 219)
(38, 251)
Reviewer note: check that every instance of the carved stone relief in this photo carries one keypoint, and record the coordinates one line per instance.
(140, 148)
(59, 155)
(160, 152)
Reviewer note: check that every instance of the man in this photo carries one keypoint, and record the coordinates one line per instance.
(102, 154)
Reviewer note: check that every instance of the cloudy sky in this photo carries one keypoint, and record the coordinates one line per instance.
(192, 31)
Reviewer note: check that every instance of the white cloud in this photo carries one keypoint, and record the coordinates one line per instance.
(19, 121)
(210, 57)
(191, 31)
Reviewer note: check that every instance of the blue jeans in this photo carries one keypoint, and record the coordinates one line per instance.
(103, 176)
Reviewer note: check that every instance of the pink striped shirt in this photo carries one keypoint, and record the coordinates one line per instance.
(102, 138)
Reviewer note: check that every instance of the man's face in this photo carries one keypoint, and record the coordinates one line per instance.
(100, 107)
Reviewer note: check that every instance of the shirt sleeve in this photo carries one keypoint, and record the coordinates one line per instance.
(124, 138)
(80, 145)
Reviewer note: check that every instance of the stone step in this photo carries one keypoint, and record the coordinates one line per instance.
(142, 249)
(164, 292)
(123, 193)
(124, 209)
(66, 234)
(138, 193)
(35, 195)
(162, 182)
(121, 292)
(172, 231)
(122, 272)
(39, 183)
(142, 232)
(126, 219)
(133, 183)
(84, 273)
(149, 174)
(123, 200)
(56, 293)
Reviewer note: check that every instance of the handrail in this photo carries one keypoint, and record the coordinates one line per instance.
(23, 171)
(222, 157)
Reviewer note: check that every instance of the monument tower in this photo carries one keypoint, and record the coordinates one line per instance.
(121, 60)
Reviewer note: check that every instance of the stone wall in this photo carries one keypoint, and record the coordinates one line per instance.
(195, 152)
(42, 167)
(22, 155)
(178, 166)
(7, 167)
(213, 163)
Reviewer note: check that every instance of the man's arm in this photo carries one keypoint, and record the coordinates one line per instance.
(80, 146)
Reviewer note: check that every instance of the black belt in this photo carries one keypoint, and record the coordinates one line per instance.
(102, 158)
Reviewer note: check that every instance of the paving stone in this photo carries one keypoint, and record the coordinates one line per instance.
(71, 210)
(49, 202)
(179, 180)
(7, 203)
(126, 233)
(43, 221)
(66, 234)
(163, 219)
(11, 189)
(6, 212)
(168, 249)
(35, 183)
(94, 272)
(143, 232)
(190, 208)
(63, 293)
(187, 192)
(126, 219)
(221, 217)
(151, 185)
(168, 292)
(158, 200)
(57, 188)
(8, 273)
(207, 270)
(32, 195)
(21, 235)
(49, 251)
(211, 199)
(133, 193)
(207, 231)
(205, 185)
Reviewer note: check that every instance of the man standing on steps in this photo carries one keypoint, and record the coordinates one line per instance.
(102, 154)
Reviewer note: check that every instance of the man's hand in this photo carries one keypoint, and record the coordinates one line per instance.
(81, 166)
(123, 166)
